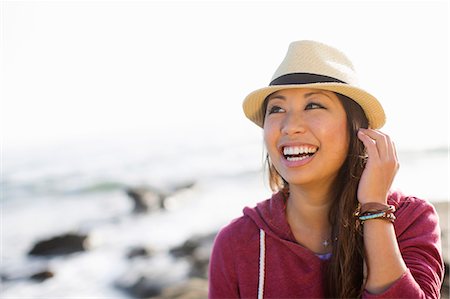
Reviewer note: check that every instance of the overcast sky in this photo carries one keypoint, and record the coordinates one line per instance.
(77, 70)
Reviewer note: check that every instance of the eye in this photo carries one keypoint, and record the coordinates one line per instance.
(314, 106)
(275, 109)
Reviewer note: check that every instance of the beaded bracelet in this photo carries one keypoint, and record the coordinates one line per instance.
(378, 215)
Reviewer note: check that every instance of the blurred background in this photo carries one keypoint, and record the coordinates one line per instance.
(124, 147)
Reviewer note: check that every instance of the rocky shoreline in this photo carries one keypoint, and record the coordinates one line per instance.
(177, 272)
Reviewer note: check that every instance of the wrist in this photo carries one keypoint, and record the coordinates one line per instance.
(375, 211)
(380, 200)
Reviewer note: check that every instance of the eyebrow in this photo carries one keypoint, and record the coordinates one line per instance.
(306, 95)
(271, 97)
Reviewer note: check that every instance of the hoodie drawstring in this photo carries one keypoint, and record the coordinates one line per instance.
(262, 258)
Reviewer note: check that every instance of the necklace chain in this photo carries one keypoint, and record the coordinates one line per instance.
(329, 241)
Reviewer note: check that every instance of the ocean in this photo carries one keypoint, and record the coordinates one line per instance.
(81, 188)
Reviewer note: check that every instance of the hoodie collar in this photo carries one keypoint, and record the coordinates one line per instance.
(270, 215)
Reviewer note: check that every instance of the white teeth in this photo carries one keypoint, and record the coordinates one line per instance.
(297, 150)
(296, 158)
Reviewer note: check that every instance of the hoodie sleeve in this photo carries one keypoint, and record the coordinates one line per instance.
(222, 269)
(418, 235)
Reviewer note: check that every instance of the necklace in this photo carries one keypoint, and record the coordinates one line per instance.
(329, 241)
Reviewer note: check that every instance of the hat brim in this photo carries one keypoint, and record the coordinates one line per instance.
(372, 108)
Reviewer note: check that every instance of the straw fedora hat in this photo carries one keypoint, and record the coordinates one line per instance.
(310, 64)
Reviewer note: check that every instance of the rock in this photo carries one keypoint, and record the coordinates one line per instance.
(60, 245)
(148, 278)
(146, 199)
(200, 262)
(31, 271)
(191, 244)
(145, 287)
(180, 187)
(196, 250)
(140, 252)
(41, 276)
(181, 274)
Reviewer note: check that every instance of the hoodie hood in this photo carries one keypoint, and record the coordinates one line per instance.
(270, 216)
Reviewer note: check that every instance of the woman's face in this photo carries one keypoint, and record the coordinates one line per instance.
(305, 132)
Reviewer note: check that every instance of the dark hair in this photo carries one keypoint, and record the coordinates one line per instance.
(344, 277)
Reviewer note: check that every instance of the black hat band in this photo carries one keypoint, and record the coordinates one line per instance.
(303, 78)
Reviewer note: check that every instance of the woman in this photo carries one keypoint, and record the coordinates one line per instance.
(332, 227)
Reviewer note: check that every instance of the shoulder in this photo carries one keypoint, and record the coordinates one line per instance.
(419, 239)
(233, 244)
(411, 204)
(237, 232)
(413, 212)
(244, 229)
(399, 199)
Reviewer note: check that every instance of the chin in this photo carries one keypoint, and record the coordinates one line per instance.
(298, 181)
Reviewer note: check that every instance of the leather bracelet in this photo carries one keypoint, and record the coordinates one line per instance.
(373, 207)
(375, 210)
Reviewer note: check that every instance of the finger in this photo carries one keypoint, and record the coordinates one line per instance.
(381, 141)
(395, 155)
(390, 154)
(370, 145)
(386, 149)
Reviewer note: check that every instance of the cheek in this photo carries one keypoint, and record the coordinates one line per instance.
(267, 131)
(270, 137)
(339, 138)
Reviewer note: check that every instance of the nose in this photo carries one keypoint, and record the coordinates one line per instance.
(293, 124)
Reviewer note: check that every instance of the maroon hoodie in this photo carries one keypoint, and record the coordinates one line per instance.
(289, 270)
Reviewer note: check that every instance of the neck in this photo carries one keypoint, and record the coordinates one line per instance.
(312, 207)
(307, 214)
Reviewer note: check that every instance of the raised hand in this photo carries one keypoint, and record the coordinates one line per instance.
(381, 167)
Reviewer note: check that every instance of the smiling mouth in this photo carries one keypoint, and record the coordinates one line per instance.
(298, 153)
